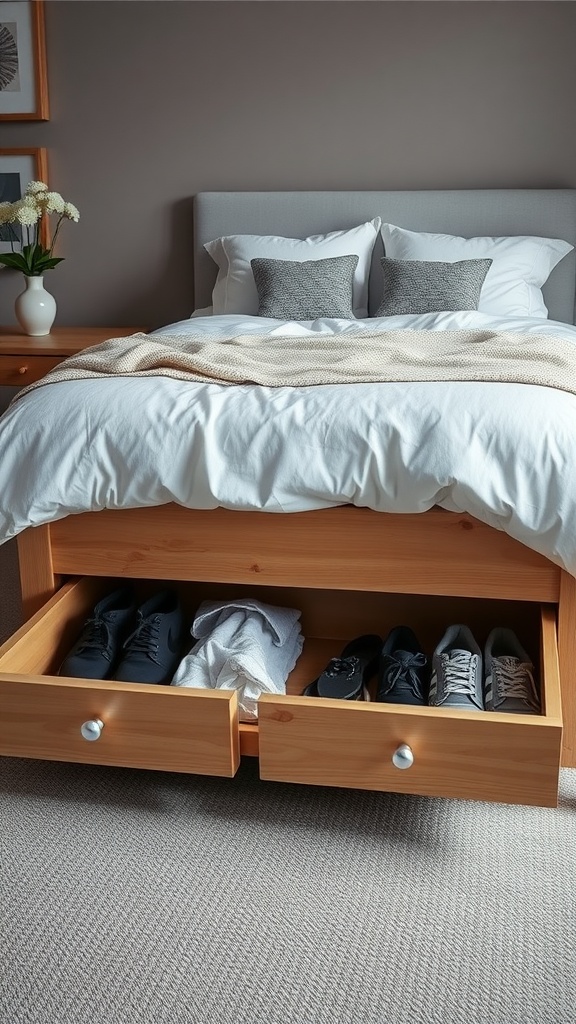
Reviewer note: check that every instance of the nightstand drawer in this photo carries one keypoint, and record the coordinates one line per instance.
(43, 715)
(463, 754)
(18, 371)
(25, 359)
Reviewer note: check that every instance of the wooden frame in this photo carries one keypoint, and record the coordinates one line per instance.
(23, 61)
(17, 168)
(343, 548)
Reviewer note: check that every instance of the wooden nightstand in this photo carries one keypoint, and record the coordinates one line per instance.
(24, 359)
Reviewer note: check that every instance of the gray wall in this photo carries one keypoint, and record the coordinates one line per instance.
(153, 101)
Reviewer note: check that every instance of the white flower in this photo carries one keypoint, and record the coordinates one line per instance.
(32, 210)
(36, 186)
(52, 202)
(6, 213)
(26, 214)
(28, 200)
(71, 212)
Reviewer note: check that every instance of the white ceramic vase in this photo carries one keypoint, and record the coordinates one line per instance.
(35, 308)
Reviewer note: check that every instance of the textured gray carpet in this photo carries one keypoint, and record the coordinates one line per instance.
(157, 898)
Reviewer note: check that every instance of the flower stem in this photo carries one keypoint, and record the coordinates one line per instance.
(54, 236)
(13, 236)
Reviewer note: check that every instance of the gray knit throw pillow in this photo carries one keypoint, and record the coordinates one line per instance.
(426, 286)
(303, 291)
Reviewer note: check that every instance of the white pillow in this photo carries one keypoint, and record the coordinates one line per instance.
(235, 290)
(520, 264)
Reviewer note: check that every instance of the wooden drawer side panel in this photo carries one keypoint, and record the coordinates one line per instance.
(551, 693)
(46, 637)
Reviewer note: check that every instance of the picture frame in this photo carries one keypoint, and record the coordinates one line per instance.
(17, 168)
(23, 73)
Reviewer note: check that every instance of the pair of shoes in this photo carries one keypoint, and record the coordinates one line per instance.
(127, 642)
(399, 662)
(346, 677)
(505, 682)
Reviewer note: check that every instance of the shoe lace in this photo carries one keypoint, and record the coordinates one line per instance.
(342, 667)
(459, 672)
(94, 634)
(144, 639)
(403, 670)
(515, 678)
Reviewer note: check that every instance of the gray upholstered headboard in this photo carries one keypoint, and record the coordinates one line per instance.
(550, 213)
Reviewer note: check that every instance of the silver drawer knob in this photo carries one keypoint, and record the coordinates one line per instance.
(403, 757)
(92, 730)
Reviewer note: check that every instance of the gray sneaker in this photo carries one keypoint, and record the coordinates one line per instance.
(457, 671)
(510, 684)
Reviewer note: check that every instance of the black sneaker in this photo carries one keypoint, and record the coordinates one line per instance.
(346, 677)
(403, 672)
(96, 650)
(152, 652)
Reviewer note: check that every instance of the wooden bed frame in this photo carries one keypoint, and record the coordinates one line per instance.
(342, 549)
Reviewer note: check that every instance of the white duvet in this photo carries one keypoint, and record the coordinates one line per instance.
(505, 453)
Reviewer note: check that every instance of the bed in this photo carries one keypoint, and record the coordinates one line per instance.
(350, 568)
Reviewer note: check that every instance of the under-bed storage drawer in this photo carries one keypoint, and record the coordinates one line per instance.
(47, 716)
(475, 755)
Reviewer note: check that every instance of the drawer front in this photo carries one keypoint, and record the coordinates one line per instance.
(480, 756)
(166, 728)
(464, 757)
(18, 371)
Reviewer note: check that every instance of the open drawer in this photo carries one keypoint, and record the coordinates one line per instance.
(430, 751)
(46, 716)
(476, 755)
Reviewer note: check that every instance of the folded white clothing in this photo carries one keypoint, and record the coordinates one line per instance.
(242, 645)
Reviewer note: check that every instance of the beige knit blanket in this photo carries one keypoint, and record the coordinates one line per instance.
(350, 358)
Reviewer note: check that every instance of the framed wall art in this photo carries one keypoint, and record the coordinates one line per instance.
(17, 168)
(23, 81)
